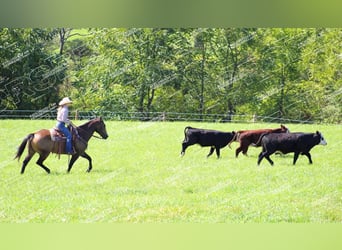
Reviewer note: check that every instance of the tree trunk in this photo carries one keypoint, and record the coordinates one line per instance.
(150, 98)
(282, 94)
(233, 54)
(62, 39)
(202, 83)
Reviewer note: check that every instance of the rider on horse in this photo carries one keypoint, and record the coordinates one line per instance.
(62, 119)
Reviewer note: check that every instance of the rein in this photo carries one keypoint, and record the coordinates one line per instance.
(97, 137)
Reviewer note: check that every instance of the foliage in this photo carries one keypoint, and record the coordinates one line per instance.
(30, 71)
(288, 73)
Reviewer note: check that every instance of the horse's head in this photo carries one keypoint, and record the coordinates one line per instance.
(100, 127)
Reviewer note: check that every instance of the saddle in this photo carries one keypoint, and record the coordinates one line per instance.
(57, 135)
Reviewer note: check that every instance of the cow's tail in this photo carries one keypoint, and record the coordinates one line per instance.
(235, 138)
(22, 146)
(186, 129)
(258, 143)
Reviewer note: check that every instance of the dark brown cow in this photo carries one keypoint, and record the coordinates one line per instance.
(248, 137)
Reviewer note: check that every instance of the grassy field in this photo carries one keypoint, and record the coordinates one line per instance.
(139, 176)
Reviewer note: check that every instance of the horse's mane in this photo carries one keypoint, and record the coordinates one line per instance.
(89, 123)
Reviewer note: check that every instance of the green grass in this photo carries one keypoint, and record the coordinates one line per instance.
(139, 176)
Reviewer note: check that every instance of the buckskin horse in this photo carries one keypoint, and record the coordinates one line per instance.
(40, 142)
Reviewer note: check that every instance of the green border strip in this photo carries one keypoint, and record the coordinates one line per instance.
(171, 236)
(176, 13)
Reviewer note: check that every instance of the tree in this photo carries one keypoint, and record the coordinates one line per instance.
(279, 57)
(281, 73)
(321, 67)
(231, 48)
(29, 72)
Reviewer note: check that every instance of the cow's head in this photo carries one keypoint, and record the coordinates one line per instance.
(322, 140)
(284, 129)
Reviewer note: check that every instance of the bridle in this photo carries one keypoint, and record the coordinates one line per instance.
(86, 131)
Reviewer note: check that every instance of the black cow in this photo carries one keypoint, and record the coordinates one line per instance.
(206, 138)
(299, 143)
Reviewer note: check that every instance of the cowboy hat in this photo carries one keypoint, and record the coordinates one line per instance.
(64, 101)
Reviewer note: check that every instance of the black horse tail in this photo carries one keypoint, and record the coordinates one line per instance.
(22, 146)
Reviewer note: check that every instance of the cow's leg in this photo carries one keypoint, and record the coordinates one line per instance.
(218, 152)
(309, 157)
(261, 156)
(266, 155)
(184, 146)
(269, 159)
(212, 148)
(295, 157)
(243, 147)
(187, 143)
(237, 151)
(41, 159)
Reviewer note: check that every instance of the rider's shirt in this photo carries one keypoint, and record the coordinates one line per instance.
(62, 114)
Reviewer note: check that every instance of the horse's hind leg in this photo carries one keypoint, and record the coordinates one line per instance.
(29, 156)
(41, 159)
(25, 162)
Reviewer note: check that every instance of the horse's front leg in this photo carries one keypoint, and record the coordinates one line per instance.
(85, 155)
(72, 161)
